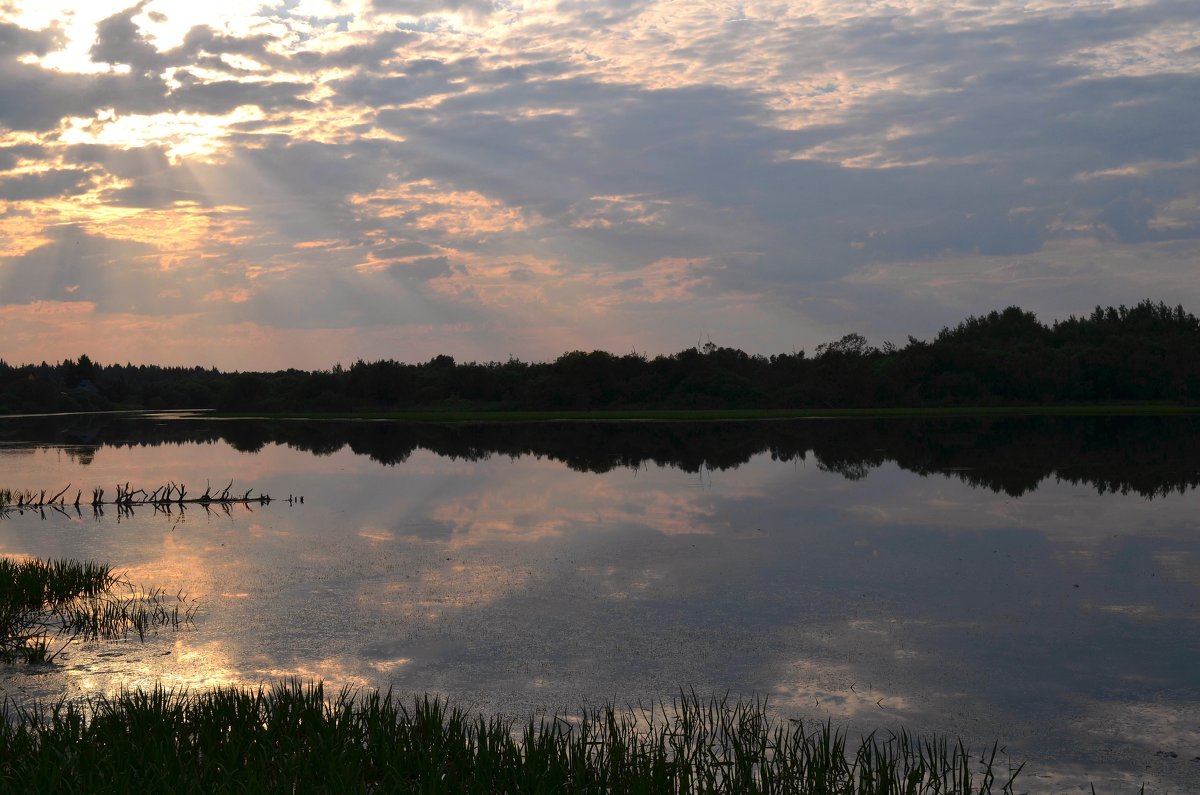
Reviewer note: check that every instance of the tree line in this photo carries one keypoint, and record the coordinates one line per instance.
(1148, 352)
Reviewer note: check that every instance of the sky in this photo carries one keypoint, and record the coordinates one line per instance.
(302, 183)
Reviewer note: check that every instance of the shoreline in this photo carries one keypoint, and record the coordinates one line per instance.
(710, 415)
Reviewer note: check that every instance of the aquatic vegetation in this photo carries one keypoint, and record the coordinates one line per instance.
(290, 738)
(47, 604)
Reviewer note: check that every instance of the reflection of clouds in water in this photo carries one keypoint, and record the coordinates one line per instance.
(186, 663)
(390, 666)
(260, 530)
(838, 692)
(376, 535)
(434, 591)
(1159, 725)
(1146, 611)
(336, 671)
(1179, 565)
(1159, 738)
(611, 582)
(181, 560)
(521, 583)
(499, 504)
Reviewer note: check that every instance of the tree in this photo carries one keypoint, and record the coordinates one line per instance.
(853, 344)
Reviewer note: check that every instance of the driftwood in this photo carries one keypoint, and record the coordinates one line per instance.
(162, 498)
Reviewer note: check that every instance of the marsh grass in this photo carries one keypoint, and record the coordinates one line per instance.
(291, 738)
(44, 605)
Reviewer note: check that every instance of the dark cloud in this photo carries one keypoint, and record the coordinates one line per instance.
(37, 99)
(999, 125)
(222, 96)
(1129, 218)
(420, 270)
(365, 56)
(33, 98)
(152, 180)
(44, 184)
(408, 248)
(416, 80)
(11, 155)
(78, 266)
(325, 293)
(588, 15)
(419, 8)
(16, 41)
(119, 40)
(1017, 91)
(300, 188)
(204, 40)
(604, 139)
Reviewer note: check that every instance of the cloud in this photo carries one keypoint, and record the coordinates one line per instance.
(218, 97)
(145, 174)
(542, 170)
(15, 40)
(36, 99)
(204, 40)
(44, 184)
(419, 8)
(420, 268)
(119, 40)
(76, 266)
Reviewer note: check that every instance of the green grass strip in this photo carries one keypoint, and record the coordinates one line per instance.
(291, 738)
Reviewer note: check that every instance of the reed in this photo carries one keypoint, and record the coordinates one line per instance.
(45, 604)
(291, 738)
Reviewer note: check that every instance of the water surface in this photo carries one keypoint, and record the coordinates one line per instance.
(1031, 580)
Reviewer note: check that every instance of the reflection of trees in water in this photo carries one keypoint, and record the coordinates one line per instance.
(850, 470)
(1151, 456)
(82, 455)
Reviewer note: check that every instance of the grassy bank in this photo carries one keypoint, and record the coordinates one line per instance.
(708, 415)
(292, 739)
(44, 605)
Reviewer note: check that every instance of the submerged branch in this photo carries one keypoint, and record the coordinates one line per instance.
(162, 496)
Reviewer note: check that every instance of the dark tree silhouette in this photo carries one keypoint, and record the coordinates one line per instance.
(1147, 353)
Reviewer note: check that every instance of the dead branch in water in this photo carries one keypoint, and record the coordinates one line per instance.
(163, 497)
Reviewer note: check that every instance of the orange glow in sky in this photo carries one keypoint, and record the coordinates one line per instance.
(375, 178)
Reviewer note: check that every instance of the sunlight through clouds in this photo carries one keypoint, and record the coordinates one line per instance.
(772, 172)
(182, 135)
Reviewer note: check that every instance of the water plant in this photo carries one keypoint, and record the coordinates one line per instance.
(46, 604)
(291, 738)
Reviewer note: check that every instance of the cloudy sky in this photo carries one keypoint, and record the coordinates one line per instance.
(298, 183)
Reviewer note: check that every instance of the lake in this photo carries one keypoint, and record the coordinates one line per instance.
(1030, 580)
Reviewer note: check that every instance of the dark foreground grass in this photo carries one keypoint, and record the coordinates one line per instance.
(45, 604)
(292, 739)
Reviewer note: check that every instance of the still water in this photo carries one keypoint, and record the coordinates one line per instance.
(1030, 580)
